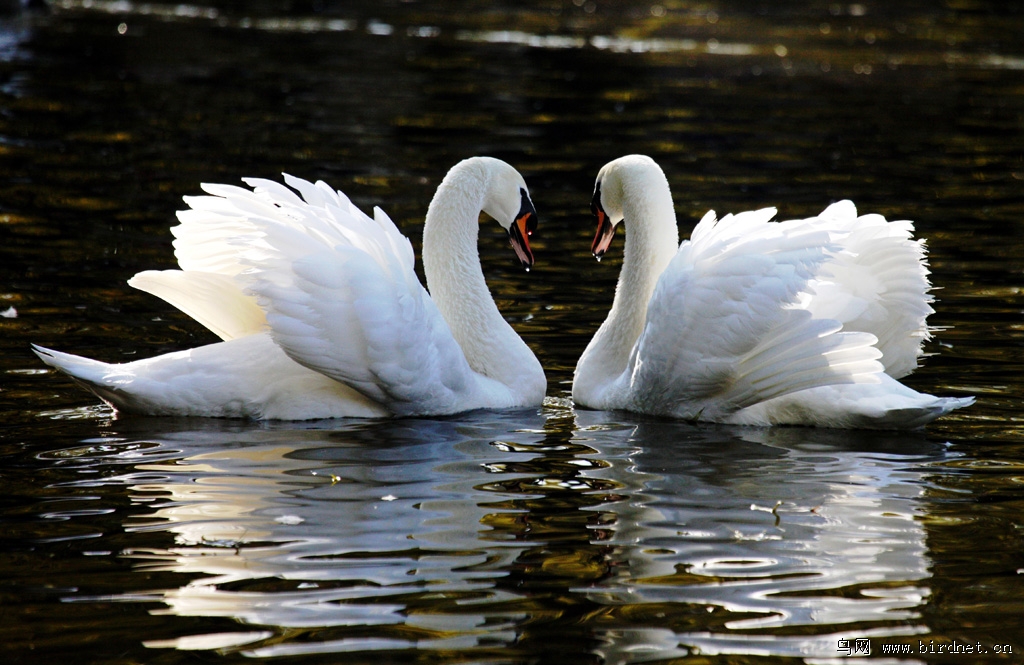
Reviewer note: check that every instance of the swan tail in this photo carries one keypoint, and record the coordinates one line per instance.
(248, 377)
(77, 367)
(949, 404)
(885, 405)
(914, 417)
(97, 377)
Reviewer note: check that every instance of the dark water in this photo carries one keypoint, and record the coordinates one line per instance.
(547, 535)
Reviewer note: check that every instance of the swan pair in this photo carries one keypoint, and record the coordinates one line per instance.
(806, 322)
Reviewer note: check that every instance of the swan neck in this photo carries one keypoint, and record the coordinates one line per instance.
(455, 280)
(451, 260)
(651, 241)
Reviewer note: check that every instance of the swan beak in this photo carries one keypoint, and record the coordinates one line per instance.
(605, 228)
(521, 230)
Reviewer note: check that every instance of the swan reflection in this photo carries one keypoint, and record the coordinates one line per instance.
(780, 527)
(658, 538)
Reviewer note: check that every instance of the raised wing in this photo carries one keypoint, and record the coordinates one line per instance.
(877, 284)
(214, 300)
(336, 287)
(229, 224)
(370, 326)
(727, 327)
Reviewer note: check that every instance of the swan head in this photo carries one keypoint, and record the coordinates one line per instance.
(508, 201)
(615, 181)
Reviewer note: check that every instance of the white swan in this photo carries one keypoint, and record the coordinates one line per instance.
(321, 312)
(803, 322)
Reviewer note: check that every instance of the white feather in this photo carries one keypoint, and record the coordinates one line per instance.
(322, 311)
(759, 322)
(212, 299)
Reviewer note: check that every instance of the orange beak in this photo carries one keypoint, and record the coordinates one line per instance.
(605, 228)
(521, 230)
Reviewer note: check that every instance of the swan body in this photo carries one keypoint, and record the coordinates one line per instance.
(757, 322)
(321, 313)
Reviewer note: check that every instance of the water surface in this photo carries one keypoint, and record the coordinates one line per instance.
(544, 535)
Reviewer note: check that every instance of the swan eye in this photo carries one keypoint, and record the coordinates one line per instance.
(595, 203)
(526, 208)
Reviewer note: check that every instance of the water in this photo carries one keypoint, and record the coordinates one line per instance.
(544, 535)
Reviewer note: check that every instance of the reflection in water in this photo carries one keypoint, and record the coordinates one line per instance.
(348, 523)
(778, 527)
(351, 528)
(661, 538)
(528, 537)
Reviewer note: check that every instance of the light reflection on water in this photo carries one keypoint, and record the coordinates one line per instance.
(540, 536)
(443, 527)
(792, 528)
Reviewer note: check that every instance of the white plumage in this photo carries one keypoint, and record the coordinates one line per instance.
(750, 321)
(321, 312)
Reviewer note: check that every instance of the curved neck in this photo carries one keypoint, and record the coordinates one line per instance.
(652, 239)
(451, 260)
(451, 263)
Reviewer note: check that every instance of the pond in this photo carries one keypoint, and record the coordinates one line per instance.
(547, 535)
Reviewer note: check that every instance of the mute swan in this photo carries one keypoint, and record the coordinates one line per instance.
(321, 313)
(754, 322)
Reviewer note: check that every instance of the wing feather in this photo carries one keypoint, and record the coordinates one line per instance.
(725, 327)
(212, 299)
(336, 287)
(344, 315)
(878, 284)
